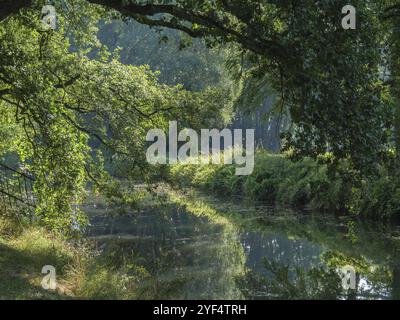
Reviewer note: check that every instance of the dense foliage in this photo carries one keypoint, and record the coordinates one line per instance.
(60, 109)
(304, 183)
(74, 98)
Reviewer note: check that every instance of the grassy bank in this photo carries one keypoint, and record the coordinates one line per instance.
(305, 183)
(82, 271)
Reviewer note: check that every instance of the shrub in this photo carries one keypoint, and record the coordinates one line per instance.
(276, 179)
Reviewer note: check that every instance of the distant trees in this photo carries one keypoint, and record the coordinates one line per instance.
(179, 58)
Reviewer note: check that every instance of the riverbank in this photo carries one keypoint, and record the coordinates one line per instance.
(306, 183)
(82, 270)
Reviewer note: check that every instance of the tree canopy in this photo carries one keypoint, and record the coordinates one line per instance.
(66, 95)
(60, 108)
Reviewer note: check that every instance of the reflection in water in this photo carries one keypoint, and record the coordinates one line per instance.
(270, 254)
(188, 257)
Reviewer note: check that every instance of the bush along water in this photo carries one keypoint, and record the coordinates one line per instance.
(304, 183)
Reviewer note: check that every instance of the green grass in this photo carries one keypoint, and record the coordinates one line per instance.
(22, 257)
(82, 271)
(305, 183)
(275, 179)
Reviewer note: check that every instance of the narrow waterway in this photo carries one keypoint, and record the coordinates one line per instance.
(266, 253)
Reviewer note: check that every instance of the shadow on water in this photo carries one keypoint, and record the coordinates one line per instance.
(255, 253)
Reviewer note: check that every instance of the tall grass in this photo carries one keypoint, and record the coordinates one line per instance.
(82, 271)
(304, 183)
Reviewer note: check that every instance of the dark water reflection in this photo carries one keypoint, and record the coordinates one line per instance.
(270, 254)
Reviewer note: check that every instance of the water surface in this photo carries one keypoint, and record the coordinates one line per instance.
(259, 253)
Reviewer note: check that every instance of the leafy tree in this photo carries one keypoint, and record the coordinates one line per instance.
(392, 19)
(329, 80)
(65, 108)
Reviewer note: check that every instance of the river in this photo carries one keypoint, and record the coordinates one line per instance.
(257, 252)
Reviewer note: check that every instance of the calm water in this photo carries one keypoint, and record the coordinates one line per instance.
(260, 253)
